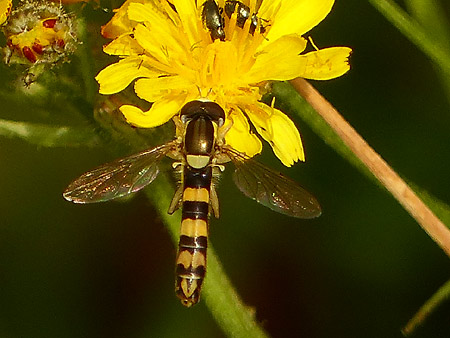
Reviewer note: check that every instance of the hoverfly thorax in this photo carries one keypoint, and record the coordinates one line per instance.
(202, 120)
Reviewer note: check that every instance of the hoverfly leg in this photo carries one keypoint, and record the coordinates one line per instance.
(179, 126)
(175, 165)
(214, 199)
(223, 130)
(176, 200)
(214, 202)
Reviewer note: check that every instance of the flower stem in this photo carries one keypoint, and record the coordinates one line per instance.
(429, 306)
(377, 166)
(431, 15)
(231, 314)
(414, 32)
(86, 62)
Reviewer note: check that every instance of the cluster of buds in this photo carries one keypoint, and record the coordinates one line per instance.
(39, 33)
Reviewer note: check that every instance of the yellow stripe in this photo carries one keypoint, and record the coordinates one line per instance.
(195, 194)
(184, 258)
(198, 259)
(194, 227)
(187, 260)
(188, 287)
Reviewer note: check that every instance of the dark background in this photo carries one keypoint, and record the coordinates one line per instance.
(361, 270)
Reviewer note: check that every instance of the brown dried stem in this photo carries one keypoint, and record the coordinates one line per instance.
(377, 166)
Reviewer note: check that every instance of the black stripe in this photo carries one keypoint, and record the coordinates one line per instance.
(198, 272)
(198, 242)
(197, 178)
(195, 210)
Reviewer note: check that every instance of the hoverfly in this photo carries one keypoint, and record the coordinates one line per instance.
(200, 153)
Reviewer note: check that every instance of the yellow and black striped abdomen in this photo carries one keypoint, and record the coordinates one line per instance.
(191, 258)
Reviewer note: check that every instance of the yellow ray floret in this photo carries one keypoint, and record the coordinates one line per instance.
(5, 9)
(169, 52)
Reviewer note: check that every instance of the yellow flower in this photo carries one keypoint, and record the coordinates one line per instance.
(5, 9)
(170, 53)
(38, 33)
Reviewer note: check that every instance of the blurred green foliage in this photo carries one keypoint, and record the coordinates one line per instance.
(361, 270)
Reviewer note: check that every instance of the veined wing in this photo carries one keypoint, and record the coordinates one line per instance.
(118, 178)
(272, 189)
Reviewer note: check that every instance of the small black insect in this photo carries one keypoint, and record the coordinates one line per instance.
(243, 13)
(213, 19)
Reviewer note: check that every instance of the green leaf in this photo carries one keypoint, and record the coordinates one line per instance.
(431, 15)
(49, 136)
(442, 294)
(419, 36)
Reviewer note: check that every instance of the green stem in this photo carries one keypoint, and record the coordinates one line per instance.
(414, 32)
(431, 15)
(294, 103)
(409, 200)
(430, 305)
(232, 315)
(86, 62)
(47, 135)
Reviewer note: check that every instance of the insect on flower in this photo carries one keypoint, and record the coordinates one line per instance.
(213, 19)
(200, 153)
(243, 14)
(204, 64)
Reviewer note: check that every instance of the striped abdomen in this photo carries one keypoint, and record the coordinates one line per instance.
(191, 258)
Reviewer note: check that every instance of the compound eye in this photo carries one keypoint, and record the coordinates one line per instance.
(189, 110)
(208, 109)
(214, 111)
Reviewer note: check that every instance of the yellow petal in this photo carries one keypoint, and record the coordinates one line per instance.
(282, 134)
(162, 29)
(325, 64)
(189, 19)
(151, 89)
(119, 24)
(275, 60)
(156, 43)
(240, 138)
(119, 75)
(123, 45)
(160, 112)
(5, 9)
(295, 16)
(142, 12)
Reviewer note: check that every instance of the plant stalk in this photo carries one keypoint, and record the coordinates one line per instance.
(377, 166)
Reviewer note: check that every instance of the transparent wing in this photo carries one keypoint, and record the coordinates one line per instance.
(118, 178)
(272, 189)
